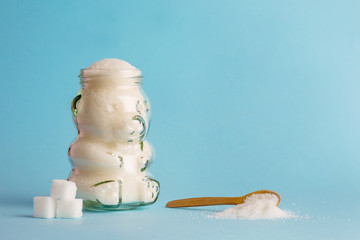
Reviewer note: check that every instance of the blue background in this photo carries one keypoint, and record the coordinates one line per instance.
(246, 95)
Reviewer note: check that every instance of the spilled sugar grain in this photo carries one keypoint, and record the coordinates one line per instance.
(257, 206)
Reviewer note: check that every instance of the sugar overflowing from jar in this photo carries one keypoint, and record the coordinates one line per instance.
(256, 206)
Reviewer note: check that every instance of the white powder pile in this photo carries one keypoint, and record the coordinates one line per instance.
(256, 206)
(113, 67)
(111, 63)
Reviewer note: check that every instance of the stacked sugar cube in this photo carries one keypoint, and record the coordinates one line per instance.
(61, 203)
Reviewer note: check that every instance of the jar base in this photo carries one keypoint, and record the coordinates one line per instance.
(96, 206)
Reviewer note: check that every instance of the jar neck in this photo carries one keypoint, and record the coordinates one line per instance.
(110, 77)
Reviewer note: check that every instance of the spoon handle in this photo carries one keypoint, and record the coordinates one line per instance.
(205, 201)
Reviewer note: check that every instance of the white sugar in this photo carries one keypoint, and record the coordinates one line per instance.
(62, 189)
(111, 157)
(44, 207)
(111, 63)
(110, 66)
(69, 208)
(61, 203)
(256, 206)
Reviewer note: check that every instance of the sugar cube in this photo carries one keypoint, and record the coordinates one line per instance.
(62, 189)
(69, 208)
(44, 207)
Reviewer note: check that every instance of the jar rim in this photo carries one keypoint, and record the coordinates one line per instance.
(121, 75)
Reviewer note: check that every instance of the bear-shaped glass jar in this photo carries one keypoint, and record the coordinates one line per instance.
(110, 156)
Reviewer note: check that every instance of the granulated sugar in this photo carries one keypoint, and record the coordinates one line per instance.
(111, 156)
(256, 206)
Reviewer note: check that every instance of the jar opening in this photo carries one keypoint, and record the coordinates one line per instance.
(118, 75)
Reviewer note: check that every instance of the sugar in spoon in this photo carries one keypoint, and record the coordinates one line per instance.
(208, 201)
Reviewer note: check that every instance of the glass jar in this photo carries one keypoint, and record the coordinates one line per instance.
(110, 157)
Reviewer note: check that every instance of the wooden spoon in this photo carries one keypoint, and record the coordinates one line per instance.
(208, 201)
